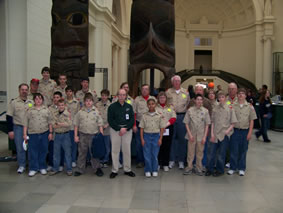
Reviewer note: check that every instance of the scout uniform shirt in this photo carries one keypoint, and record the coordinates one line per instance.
(140, 106)
(81, 94)
(230, 100)
(103, 108)
(128, 100)
(73, 106)
(222, 117)
(213, 104)
(179, 100)
(244, 113)
(167, 112)
(53, 109)
(88, 120)
(62, 90)
(46, 88)
(37, 120)
(62, 117)
(17, 109)
(197, 119)
(30, 95)
(152, 122)
(206, 104)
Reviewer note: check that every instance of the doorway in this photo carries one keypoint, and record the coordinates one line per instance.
(203, 59)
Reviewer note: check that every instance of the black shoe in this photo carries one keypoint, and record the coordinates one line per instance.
(77, 174)
(130, 173)
(267, 141)
(208, 173)
(99, 172)
(217, 174)
(113, 175)
(140, 165)
(257, 135)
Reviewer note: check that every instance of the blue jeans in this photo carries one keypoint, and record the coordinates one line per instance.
(238, 149)
(18, 138)
(139, 148)
(106, 139)
(218, 153)
(74, 146)
(265, 122)
(37, 151)
(179, 143)
(150, 152)
(62, 141)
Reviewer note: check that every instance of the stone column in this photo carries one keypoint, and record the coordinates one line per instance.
(115, 69)
(267, 61)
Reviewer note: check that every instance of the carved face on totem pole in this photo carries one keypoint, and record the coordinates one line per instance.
(69, 40)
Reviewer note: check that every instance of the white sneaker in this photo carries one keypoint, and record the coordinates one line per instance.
(230, 172)
(242, 173)
(49, 168)
(165, 168)
(61, 168)
(43, 171)
(154, 174)
(181, 165)
(171, 164)
(74, 164)
(21, 170)
(227, 165)
(120, 166)
(147, 174)
(32, 173)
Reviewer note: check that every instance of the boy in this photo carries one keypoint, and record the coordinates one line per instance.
(222, 123)
(239, 142)
(151, 132)
(197, 121)
(61, 125)
(62, 85)
(88, 123)
(85, 89)
(102, 107)
(73, 107)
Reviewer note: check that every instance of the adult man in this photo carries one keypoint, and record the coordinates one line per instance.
(15, 116)
(34, 83)
(179, 98)
(85, 89)
(140, 107)
(121, 120)
(62, 85)
(232, 93)
(46, 86)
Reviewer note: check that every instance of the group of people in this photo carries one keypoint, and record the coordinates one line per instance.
(60, 127)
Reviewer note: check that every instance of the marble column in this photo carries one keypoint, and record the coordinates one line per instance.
(115, 69)
(267, 61)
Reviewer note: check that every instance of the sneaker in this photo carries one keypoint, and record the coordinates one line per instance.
(154, 174)
(242, 173)
(32, 173)
(105, 165)
(69, 173)
(74, 164)
(199, 173)
(166, 168)
(120, 166)
(49, 168)
(230, 172)
(188, 172)
(227, 165)
(147, 174)
(51, 173)
(181, 165)
(61, 168)
(21, 170)
(171, 164)
(43, 171)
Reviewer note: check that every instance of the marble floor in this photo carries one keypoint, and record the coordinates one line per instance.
(260, 191)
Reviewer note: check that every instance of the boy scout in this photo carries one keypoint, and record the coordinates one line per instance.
(61, 125)
(62, 85)
(222, 122)
(129, 99)
(85, 89)
(34, 83)
(102, 107)
(46, 86)
(243, 129)
(17, 109)
(197, 121)
(73, 106)
(88, 123)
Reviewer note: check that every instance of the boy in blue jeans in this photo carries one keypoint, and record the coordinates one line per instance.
(151, 131)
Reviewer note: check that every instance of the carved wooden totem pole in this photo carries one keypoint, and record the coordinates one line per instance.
(152, 39)
(69, 40)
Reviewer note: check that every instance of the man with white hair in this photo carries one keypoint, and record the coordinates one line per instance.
(232, 93)
(179, 98)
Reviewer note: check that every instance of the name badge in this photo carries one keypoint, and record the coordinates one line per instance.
(127, 117)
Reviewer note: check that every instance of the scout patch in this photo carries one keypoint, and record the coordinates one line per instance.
(169, 110)
(129, 101)
(184, 96)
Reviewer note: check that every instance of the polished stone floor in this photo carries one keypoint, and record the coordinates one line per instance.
(260, 191)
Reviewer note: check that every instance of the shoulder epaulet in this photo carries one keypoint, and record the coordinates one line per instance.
(12, 100)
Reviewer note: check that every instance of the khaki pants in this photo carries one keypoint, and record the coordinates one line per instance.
(117, 142)
(195, 148)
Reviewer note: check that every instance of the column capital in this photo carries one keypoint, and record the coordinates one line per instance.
(268, 37)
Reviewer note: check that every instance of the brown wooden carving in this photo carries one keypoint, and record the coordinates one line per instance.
(152, 39)
(69, 40)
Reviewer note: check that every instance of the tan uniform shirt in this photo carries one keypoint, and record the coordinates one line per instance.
(179, 100)
(81, 94)
(103, 108)
(244, 113)
(37, 120)
(88, 121)
(230, 101)
(197, 119)
(47, 90)
(53, 109)
(213, 104)
(152, 122)
(222, 117)
(62, 90)
(73, 107)
(206, 104)
(140, 106)
(17, 109)
(166, 112)
(65, 118)
(30, 95)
